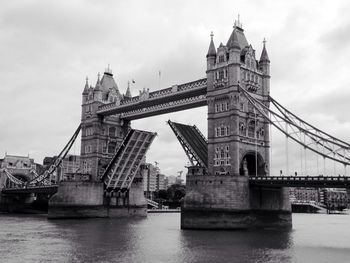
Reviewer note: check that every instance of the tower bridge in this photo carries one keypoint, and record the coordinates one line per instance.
(228, 184)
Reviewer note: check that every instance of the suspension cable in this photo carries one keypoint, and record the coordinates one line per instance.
(333, 145)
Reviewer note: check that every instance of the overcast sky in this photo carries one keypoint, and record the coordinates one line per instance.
(47, 48)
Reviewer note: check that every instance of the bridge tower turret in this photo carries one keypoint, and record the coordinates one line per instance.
(100, 135)
(264, 66)
(238, 144)
(211, 55)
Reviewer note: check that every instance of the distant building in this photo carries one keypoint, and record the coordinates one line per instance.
(172, 179)
(20, 167)
(304, 194)
(153, 180)
(160, 182)
(69, 165)
(334, 199)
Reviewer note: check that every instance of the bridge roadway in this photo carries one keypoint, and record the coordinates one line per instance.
(301, 181)
(270, 181)
(42, 189)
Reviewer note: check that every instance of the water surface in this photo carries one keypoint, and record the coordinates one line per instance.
(314, 238)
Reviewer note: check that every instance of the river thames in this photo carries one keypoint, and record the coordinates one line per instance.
(314, 238)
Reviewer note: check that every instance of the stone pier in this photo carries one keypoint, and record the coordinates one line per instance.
(228, 202)
(86, 199)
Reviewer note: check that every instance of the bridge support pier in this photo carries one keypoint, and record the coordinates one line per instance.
(227, 202)
(130, 203)
(77, 199)
(84, 199)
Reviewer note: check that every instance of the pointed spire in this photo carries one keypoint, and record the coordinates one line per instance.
(238, 22)
(233, 41)
(86, 88)
(128, 93)
(264, 56)
(98, 82)
(212, 49)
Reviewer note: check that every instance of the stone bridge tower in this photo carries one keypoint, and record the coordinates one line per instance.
(238, 143)
(100, 135)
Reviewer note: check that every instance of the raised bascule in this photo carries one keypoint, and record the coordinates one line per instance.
(228, 184)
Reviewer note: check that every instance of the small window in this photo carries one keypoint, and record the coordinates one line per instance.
(221, 58)
(222, 131)
(221, 74)
(251, 129)
(112, 132)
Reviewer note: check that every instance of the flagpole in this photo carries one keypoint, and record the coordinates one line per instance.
(159, 74)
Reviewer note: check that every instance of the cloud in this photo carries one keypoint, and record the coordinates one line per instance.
(47, 49)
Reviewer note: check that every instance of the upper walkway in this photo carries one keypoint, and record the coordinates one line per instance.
(175, 98)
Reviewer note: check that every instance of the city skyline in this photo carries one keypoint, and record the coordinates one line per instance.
(48, 51)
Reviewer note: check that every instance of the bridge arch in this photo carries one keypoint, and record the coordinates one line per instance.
(248, 164)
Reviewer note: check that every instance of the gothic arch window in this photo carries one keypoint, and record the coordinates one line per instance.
(242, 129)
(104, 147)
(222, 131)
(251, 129)
(111, 147)
(221, 74)
(221, 58)
(262, 132)
(111, 132)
